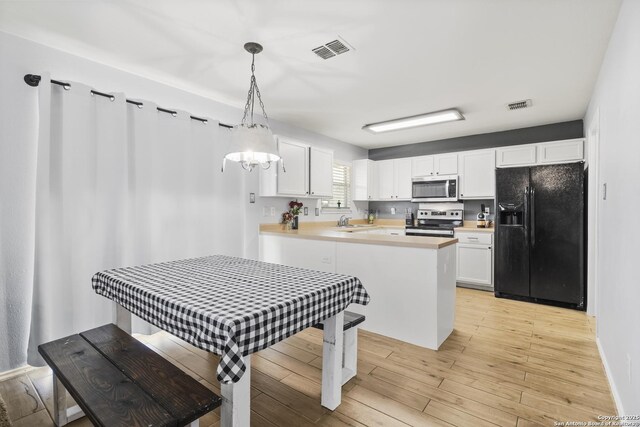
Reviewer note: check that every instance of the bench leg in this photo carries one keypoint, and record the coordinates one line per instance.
(332, 345)
(63, 416)
(236, 400)
(59, 403)
(122, 317)
(350, 355)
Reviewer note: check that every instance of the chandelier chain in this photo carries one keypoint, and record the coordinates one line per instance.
(253, 91)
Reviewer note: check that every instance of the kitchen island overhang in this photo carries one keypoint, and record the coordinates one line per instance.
(411, 279)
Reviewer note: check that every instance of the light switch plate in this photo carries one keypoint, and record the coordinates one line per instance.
(306, 211)
(252, 197)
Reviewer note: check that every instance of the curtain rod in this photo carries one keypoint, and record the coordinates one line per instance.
(34, 80)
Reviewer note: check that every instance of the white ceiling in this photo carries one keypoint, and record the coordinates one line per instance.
(410, 57)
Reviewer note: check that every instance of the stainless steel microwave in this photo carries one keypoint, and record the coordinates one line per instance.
(443, 188)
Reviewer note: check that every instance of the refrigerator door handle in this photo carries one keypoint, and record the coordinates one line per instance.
(533, 217)
(525, 218)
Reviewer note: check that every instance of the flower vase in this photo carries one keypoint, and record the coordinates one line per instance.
(294, 225)
(288, 225)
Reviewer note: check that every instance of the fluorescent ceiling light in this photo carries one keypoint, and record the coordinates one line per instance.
(414, 121)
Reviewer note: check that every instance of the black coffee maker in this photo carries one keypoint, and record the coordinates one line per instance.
(409, 218)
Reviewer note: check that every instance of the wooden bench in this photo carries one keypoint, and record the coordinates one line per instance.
(350, 346)
(118, 381)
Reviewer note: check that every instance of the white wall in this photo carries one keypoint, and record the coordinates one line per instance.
(617, 97)
(18, 125)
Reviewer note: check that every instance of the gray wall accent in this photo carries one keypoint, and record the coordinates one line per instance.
(544, 133)
(384, 209)
(471, 208)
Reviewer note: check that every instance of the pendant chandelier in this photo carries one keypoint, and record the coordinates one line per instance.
(252, 144)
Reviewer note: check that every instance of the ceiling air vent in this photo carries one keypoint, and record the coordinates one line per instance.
(324, 52)
(331, 49)
(518, 105)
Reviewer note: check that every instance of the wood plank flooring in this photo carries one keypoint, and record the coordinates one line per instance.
(507, 363)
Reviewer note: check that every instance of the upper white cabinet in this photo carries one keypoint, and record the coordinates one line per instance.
(294, 179)
(303, 170)
(446, 164)
(394, 179)
(402, 176)
(570, 150)
(321, 172)
(364, 180)
(559, 152)
(519, 155)
(440, 164)
(422, 166)
(477, 174)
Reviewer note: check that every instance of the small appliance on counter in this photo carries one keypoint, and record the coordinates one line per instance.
(409, 217)
(481, 219)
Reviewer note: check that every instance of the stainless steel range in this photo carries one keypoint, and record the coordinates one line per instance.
(435, 223)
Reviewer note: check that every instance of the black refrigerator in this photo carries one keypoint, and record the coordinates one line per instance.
(540, 236)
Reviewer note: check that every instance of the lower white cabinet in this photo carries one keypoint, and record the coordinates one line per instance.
(475, 258)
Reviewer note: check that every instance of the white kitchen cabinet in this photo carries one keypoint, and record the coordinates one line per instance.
(402, 178)
(303, 170)
(386, 189)
(519, 155)
(394, 179)
(571, 150)
(422, 166)
(475, 258)
(446, 164)
(293, 178)
(544, 153)
(364, 179)
(477, 174)
(321, 172)
(440, 164)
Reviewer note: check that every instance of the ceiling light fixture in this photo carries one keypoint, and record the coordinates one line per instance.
(252, 143)
(414, 121)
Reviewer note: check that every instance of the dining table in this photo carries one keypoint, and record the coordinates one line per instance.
(234, 307)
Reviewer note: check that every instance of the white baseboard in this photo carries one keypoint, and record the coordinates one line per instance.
(612, 384)
(15, 372)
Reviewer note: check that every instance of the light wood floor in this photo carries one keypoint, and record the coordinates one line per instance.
(507, 363)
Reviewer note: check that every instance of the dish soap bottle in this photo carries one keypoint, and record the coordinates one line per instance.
(482, 220)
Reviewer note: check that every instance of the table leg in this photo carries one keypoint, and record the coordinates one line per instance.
(236, 400)
(122, 317)
(332, 347)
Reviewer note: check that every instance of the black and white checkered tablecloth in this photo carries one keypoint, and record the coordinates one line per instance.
(229, 306)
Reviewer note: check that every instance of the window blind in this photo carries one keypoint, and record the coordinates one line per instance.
(341, 186)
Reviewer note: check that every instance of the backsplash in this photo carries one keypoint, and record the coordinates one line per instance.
(471, 208)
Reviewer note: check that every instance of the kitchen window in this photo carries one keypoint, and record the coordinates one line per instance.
(341, 198)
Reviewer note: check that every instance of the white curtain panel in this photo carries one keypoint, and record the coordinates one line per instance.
(117, 185)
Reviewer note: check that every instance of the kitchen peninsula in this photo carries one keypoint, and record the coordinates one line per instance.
(411, 279)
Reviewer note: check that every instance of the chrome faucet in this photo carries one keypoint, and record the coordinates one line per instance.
(343, 221)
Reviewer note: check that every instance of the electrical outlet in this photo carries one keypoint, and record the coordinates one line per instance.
(306, 211)
(629, 367)
(265, 211)
(326, 260)
(393, 210)
(487, 210)
(252, 197)
(317, 211)
(273, 211)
